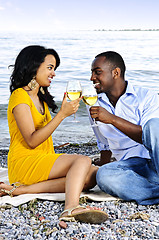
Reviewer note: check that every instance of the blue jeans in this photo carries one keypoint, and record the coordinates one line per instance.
(135, 178)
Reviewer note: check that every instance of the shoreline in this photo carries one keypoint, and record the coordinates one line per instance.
(88, 149)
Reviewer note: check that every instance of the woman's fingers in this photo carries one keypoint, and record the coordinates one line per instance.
(70, 107)
(75, 105)
(65, 97)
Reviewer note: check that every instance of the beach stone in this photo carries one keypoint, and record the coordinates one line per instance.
(141, 207)
(63, 224)
(84, 228)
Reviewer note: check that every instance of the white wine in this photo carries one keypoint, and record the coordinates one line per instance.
(73, 95)
(90, 100)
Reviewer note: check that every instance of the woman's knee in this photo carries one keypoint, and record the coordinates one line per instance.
(65, 162)
(84, 161)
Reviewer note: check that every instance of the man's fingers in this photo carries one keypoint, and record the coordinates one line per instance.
(94, 110)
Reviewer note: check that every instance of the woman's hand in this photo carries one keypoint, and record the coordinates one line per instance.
(34, 137)
(69, 108)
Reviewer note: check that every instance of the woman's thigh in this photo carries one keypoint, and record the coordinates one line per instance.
(64, 162)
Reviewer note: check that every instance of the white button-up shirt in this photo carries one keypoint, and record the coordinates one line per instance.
(137, 105)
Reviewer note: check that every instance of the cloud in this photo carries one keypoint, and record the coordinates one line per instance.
(1, 8)
(51, 11)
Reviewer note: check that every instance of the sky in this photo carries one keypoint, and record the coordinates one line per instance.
(50, 15)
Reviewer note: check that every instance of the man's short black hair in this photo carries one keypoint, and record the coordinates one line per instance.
(115, 59)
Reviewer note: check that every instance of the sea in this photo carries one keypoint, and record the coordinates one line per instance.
(77, 49)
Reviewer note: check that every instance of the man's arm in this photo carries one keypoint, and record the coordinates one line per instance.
(131, 130)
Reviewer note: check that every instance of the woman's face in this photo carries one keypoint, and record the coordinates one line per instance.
(46, 71)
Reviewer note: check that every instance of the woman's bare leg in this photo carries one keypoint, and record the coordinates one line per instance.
(75, 168)
(53, 185)
(49, 186)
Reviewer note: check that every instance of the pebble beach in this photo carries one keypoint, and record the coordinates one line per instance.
(38, 219)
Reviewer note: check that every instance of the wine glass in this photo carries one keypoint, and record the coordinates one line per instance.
(73, 91)
(89, 96)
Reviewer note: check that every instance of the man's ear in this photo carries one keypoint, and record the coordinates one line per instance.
(116, 72)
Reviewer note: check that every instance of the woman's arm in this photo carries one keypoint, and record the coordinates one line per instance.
(26, 126)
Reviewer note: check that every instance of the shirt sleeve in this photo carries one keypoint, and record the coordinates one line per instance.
(17, 97)
(150, 107)
(102, 141)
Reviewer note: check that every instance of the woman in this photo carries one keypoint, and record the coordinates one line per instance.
(33, 166)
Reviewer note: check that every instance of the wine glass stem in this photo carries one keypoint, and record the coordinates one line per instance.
(94, 121)
(95, 124)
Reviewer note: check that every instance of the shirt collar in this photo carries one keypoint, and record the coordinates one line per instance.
(129, 90)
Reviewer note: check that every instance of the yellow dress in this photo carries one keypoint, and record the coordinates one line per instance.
(26, 165)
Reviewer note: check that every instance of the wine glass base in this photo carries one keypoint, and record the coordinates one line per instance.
(74, 120)
(96, 124)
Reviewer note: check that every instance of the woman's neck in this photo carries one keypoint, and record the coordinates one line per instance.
(31, 92)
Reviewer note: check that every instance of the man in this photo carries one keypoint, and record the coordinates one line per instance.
(127, 128)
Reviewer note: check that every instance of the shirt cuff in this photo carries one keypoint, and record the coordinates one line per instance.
(102, 146)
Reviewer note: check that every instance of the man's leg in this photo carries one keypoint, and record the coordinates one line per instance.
(150, 138)
(131, 179)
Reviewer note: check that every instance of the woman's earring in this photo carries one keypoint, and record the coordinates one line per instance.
(32, 84)
(42, 90)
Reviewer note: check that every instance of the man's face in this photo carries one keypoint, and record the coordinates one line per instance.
(102, 75)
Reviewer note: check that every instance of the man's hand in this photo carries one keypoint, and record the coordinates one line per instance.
(105, 157)
(101, 114)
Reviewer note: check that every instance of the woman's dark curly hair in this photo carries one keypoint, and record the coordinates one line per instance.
(26, 65)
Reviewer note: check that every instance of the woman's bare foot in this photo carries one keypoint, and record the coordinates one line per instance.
(4, 186)
(80, 209)
(5, 189)
(84, 214)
